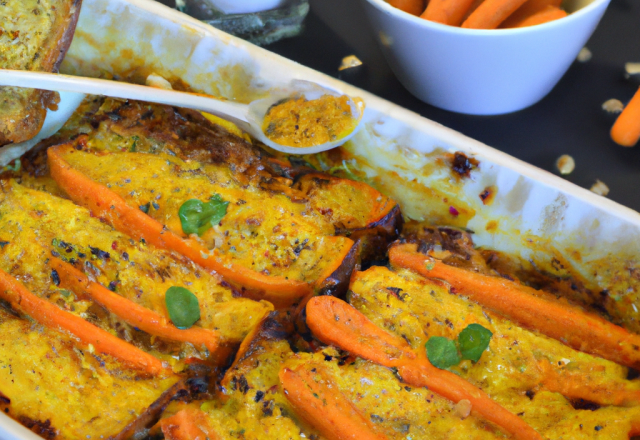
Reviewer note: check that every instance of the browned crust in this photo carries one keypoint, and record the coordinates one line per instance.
(24, 125)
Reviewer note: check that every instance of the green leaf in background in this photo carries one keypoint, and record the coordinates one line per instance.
(473, 341)
(183, 307)
(442, 352)
(197, 217)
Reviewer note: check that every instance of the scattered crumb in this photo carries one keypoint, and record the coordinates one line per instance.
(632, 70)
(613, 106)
(584, 55)
(463, 408)
(600, 188)
(565, 164)
(350, 61)
(155, 80)
(385, 39)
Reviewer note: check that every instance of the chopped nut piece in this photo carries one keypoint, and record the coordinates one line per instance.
(584, 55)
(565, 164)
(600, 188)
(613, 106)
(463, 408)
(349, 62)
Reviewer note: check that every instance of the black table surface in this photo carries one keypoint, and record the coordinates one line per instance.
(569, 120)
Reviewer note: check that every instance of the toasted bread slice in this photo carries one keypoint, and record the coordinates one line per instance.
(34, 35)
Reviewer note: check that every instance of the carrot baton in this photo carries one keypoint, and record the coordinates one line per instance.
(531, 308)
(51, 316)
(449, 12)
(187, 424)
(335, 322)
(491, 13)
(104, 203)
(325, 407)
(626, 130)
(548, 14)
(413, 7)
(529, 8)
(132, 313)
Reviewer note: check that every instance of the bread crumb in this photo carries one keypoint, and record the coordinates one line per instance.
(600, 188)
(565, 164)
(584, 55)
(613, 106)
(463, 408)
(349, 62)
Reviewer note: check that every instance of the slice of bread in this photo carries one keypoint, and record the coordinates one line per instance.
(34, 35)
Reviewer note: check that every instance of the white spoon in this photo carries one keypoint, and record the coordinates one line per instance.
(248, 117)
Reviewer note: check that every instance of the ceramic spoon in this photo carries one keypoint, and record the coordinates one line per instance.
(248, 117)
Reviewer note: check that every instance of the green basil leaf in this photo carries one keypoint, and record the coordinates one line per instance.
(197, 217)
(442, 352)
(473, 341)
(183, 307)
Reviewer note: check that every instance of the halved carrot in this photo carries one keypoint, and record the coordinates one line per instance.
(528, 307)
(550, 13)
(449, 12)
(132, 313)
(491, 13)
(335, 322)
(187, 424)
(413, 7)
(626, 130)
(323, 406)
(106, 204)
(529, 8)
(51, 316)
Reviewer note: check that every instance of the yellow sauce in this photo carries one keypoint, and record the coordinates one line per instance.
(305, 123)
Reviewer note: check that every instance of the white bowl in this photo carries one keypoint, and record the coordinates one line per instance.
(481, 72)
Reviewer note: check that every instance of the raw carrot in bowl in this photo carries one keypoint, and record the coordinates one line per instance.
(491, 13)
(450, 12)
(529, 8)
(413, 7)
(550, 13)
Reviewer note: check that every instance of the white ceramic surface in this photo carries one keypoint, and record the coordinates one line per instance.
(481, 72)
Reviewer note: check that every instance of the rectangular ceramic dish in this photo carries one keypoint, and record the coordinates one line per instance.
(534, 214)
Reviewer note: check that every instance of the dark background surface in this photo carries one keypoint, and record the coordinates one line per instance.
(569, 120)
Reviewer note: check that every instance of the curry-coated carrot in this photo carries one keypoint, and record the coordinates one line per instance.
(530, 308)
(318, 401)
(491, 13)
(106, 204)
(52, 316)
(132, 313)
(413, 7)
(187, 424)
(529, 8)
(449, 12)
(626, 130)
(548, 14)
(335, 322)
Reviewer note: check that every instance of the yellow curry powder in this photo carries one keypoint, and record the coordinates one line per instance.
(304, 123)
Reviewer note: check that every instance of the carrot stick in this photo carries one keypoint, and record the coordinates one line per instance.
(104, 203)
(449, 12)
(324, 407)
(491, 13)
(626, 130)
(529, 8)
(51, 316)
(187, 424)
(335, 322)
(132, 313)
(548, 14)
(531, 308)
(473, 7)
(413, 7)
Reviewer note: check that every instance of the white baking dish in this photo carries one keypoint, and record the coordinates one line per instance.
(534, 214)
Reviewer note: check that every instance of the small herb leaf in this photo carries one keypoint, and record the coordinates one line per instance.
(197, 217)
(183, 307)
(442, 352)
(473, 341)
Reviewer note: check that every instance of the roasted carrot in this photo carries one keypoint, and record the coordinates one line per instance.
(529, 8)
(335, 322)
(323, 406)
(106, 204)
(491, 13)
(548, 14)
(529, 307)
(187, 424)
(51, 316)
(449, 12)
(413, 7)
(626, 130)
(132, 313)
